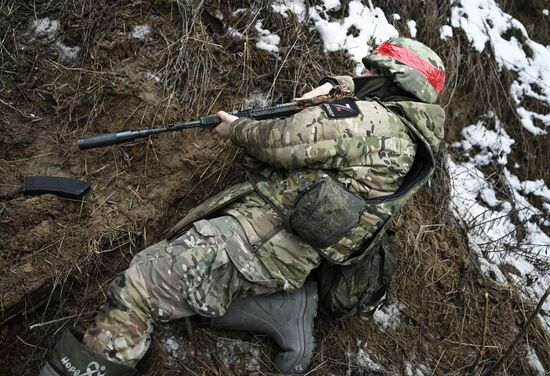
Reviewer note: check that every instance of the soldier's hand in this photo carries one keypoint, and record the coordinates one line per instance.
(319, 90)
(222, 129)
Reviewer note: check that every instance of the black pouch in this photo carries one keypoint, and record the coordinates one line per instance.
(324, 212)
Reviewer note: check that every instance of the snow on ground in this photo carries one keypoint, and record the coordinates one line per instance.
(48, 30)
(154, 76)
(235, 352)
(416, 370)
(45, 27)
(534, 362)
(65, 52)
(232, 352)
(234, 32)
(446, 32)
(285, 7)
(140, 31)
(266, 39)
(484, 23)
(364, 361)
(172, 346)
(388, 316)
(256, 100)
(412, 28)
(368, 21)
(485, 211)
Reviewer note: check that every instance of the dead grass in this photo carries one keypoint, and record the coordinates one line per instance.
(72, 250)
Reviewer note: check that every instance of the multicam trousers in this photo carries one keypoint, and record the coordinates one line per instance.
(200, 272)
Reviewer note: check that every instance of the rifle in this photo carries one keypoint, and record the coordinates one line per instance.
(280, 110)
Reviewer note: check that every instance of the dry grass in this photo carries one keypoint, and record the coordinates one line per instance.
(143, 188)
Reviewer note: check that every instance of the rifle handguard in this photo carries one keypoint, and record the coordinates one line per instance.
(210, 121)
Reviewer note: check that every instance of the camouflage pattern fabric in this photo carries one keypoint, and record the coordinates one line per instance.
(247, 251)
(200, 272)
(210, 207)
(427, 118)
(370, 154)
(288, 258)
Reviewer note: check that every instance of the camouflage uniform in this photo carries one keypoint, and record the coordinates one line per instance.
(245, 250)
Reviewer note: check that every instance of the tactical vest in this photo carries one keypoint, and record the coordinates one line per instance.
(312, 202)
(341, 225)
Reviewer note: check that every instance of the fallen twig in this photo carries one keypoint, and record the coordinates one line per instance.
(483, 332)
(519, 336)
(51, 321)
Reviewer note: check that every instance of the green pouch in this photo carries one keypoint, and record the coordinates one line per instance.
(344, 290)
(324, 212)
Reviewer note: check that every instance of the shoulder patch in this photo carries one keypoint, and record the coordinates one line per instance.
(341, 108)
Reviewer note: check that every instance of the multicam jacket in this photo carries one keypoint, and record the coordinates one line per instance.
(370, 152)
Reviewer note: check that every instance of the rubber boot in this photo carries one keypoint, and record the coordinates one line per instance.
(71, 358)
(286, 318)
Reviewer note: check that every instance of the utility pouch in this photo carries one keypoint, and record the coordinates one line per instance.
(323, 212)
(349, 289)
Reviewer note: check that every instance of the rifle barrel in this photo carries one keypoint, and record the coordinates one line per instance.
(115, 138)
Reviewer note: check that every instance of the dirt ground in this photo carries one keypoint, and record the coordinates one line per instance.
(57, 256)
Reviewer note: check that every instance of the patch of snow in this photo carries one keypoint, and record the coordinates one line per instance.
(446, 32)
(423, 370)
(256, 100)
(545, 12)
(239, 353)
(239, 11)
(65, 52)
(408, 369)
(141, 31)
(492, 234)
(363, 360)
(396, 17)
(370, 21)
(492, 144)
(234, 32)
(420, 370)
(49, 30)
(412, 28)
(331, 4)
(486, 25)
(534, 362)
(388, 316)
(172, 347)
(155, 77)
(489, 228)
(44, 27)
(266, 39)
(294, 6)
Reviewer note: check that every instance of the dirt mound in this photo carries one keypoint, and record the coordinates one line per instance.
(71, 69)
